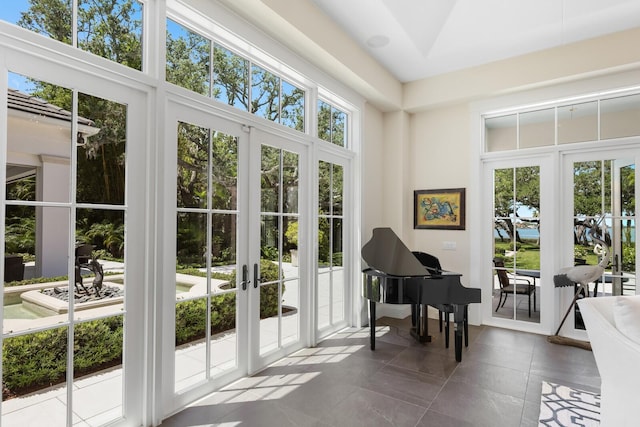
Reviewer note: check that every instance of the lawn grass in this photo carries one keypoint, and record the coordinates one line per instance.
(528, 254)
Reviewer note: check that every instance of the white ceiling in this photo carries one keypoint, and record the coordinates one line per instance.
(429, 37)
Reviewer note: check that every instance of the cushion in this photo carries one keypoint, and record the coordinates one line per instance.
(626, 313)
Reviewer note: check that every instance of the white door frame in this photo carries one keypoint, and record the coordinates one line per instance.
(545, 301)
(191, 113)
(280, 140)
(347, 250)
(100, 83)
(565, 244)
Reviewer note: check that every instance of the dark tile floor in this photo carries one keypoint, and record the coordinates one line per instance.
(341, 382)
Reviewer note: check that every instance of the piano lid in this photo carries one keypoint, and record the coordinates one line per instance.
(386, 253)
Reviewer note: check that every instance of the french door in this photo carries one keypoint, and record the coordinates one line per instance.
(601, 189)
(521, 241)
(74, 164)
(237, 296)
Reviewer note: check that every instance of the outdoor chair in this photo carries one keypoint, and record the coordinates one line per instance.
(511, 284)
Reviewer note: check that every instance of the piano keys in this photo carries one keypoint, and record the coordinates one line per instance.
(395, 276)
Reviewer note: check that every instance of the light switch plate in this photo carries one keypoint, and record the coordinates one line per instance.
(449, 246)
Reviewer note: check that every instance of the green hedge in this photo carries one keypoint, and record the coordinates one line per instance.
(191, 315)
(38, 360)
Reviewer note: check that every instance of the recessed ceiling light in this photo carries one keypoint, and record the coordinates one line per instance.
(378, 41)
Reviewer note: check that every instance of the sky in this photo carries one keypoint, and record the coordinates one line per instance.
(10, 12)
(10, 9)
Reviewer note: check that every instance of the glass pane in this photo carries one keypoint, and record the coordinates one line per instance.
(338, 295)
(265, 94)
(291, 239)
(270, 179)
(99, 343)
(336, 238)
(39, 140)
(99, 255)
(578, 122)
(120, 39)
(191, 245)
(224, 171)
(36, 266)
(269, 318)
(193, 160)
(500, 133)
(102, 152)
(324, 187)
(292, 106)
(53, 21)
(592, 201)
(290, 311)
(592, 183)
(270, 238)
(324, 297)
(188, 59)
(324, 232)
(46, 351)
(337, 195)
(620, 117)
(537, 128)
(224, 340)
(290, 179)
(231, 78)
(190, 358)
(624, 231)
(19, 244)
(338, 127)
(223, 241)
(324, 121)
(517, 243)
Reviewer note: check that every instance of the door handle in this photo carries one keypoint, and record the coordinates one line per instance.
(256, 276)
(245, 273)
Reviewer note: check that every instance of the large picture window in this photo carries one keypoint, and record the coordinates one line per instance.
(231, 78)
(119, 40)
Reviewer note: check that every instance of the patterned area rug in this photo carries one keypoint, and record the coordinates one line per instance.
(562, 406)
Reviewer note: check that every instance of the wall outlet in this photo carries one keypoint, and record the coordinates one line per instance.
(449, 246)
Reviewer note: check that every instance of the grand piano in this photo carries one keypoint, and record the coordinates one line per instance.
(395, 276)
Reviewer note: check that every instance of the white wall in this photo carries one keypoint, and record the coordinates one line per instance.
(372, 175)
(439, 159)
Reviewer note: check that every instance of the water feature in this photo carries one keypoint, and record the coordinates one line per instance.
(19, 311)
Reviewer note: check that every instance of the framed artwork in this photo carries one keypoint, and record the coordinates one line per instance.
(439, 209)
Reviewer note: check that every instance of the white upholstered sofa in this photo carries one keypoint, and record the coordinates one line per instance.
(613, 326)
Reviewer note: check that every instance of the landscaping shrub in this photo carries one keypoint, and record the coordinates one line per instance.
(191, 315)
(38, 360)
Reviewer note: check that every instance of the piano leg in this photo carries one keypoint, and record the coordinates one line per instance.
(372, 324)
(421, 330)
(466, 326)
(446, 331)
(459, 316)
(458, 338)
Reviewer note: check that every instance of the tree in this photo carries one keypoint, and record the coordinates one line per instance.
(515, 188)
(188, 60)
(111, 29)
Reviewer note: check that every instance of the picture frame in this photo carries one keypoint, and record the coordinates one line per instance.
(442, 209)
